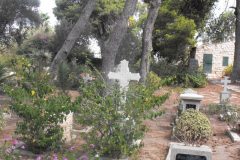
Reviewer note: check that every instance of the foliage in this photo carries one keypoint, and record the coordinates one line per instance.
(178, 74)
(115, 125)
(220, 29)
(6, 150)
(193, 79)
(232, 116)
(40, 108)
(173, 34)
(176, 27)
(193, 127)
(2, 120)
(215, 109)
(228, 70)
(63, 76)
(197, 10)
(101, 19)
(17, 16)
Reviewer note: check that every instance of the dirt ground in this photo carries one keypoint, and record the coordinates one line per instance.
(157, 139)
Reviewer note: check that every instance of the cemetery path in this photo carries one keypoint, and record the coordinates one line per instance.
(157, 139)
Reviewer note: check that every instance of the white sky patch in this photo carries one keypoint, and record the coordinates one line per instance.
(94, 47)
(224, 5)
(46, 6)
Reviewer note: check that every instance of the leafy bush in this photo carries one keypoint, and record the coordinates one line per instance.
(40, 108)
(115, 125)
(232, 116)
(193, 127)
(178, 74)
(228, 70)
(63, 76)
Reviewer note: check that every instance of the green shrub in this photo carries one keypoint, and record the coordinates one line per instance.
(193, 127)
(153, 81)
(228, 70)
(115, 125)
(63, 76)
(41, 109)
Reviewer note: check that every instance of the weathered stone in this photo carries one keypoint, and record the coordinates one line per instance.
(190, 99)
(197, 153)
(234, 136)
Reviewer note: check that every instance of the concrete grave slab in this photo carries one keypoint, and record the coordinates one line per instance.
(177, 150)
(234, 136)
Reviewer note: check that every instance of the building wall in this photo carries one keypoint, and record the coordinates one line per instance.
(218, 51)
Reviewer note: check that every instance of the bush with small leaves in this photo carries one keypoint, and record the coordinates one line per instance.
(193, 127)
(41, 108)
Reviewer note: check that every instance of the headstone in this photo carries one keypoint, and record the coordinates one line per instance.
(67, 126)
(123, 75)
(179, 151)
(225, 94)
(190, 100)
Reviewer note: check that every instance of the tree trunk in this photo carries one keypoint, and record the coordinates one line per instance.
(111, 45)
(236, 65)
(73, 36)
(147, 38)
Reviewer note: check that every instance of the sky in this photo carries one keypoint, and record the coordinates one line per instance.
(48, 5)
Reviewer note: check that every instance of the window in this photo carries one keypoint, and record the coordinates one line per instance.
(225, 61)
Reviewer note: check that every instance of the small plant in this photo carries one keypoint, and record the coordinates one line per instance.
(193, 127)
(228, 70)
(41, 109)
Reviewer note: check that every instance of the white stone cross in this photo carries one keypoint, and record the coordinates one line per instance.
(225, 82)
(123, 75)
(86, 78)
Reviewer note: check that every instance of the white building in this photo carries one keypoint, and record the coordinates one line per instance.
(214, 58)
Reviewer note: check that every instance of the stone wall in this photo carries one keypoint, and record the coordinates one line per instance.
(218, 51)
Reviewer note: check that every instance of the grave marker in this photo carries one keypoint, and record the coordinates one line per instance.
(123, 75)
(190, 99)
(225, 94)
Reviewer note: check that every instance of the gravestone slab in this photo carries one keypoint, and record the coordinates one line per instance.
(190, 99)
(67, 126)
(234, 136)
(179, 151)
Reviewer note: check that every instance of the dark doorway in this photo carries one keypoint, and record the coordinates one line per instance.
(207, 63)
(189, 157)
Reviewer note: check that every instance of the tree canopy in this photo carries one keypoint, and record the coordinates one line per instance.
(16, 16)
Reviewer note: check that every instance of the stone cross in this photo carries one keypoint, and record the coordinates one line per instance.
(87, 78)
(123, 75)
(225, 82)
